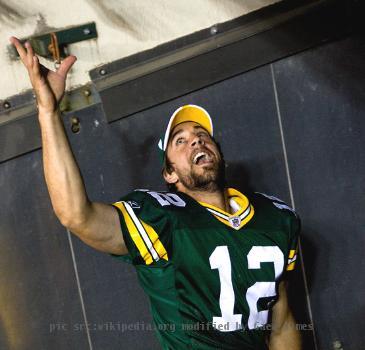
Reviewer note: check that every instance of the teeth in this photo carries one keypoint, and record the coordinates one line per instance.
(198, 155)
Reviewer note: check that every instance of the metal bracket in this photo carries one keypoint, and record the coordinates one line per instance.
(19, 130)
(53, 44)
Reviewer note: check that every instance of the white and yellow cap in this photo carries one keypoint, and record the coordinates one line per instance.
(187, 113)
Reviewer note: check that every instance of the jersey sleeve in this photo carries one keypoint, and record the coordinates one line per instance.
(146, 229)
(292, 229)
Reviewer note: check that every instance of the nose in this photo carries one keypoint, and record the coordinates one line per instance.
(197, 141)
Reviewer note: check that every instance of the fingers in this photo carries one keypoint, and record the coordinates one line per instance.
(30, 60)
(25, 52)
(66, 65)
(36, 70)
(19, 47)
(30, 53)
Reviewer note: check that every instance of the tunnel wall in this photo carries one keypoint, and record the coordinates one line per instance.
(293, 128)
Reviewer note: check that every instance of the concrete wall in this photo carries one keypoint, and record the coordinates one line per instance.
(124, 27)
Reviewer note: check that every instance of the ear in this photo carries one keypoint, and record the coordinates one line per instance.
(170, 178)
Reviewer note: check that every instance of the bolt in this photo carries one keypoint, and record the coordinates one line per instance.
(87, 93)
(102, 71)
(337, 345)
(6, 104)
(87, 31)
(213, 30)
(75, 125)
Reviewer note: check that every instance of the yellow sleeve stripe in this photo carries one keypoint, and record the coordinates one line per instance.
(292, 252)
(160, 249)
(133, 232)
(143, 235)
(291, 266)
(291, 259)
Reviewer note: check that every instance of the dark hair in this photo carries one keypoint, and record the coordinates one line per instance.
(168, 167)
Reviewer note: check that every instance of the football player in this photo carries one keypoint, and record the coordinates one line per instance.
(212, 260)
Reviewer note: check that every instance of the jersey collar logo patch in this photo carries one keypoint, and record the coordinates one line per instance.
(235, 221)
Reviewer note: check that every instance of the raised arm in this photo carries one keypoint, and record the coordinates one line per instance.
(97, 224)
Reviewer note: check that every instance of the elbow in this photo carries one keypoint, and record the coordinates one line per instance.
(69, 222)
(72, 220)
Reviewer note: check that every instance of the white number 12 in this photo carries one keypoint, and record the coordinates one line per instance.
(220, 260)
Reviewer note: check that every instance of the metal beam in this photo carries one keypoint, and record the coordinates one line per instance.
(146, 79)
(19, 128)
(176, 68)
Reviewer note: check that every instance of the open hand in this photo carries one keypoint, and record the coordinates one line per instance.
(49, 86)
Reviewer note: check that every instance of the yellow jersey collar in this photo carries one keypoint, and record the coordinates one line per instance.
(243, 210)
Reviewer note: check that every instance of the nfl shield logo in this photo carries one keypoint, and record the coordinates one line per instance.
(235, 221)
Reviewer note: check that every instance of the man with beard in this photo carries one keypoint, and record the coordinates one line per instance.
(212, 260)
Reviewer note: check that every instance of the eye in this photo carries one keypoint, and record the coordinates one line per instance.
(202, 134)
(180, 141)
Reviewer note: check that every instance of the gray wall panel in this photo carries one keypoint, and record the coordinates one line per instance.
(39, 300)
(321, 95)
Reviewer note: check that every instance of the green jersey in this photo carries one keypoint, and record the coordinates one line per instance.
(211, 276)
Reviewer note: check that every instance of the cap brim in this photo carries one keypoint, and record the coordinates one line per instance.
(188, 113)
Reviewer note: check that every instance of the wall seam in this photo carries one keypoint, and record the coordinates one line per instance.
(79, 290)
(292, 198)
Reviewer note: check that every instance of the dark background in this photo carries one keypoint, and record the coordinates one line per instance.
(294, 129)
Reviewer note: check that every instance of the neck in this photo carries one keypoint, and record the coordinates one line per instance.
(216, 198)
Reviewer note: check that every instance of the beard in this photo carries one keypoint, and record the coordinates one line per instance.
(210, 180)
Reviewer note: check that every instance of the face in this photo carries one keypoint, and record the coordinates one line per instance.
(195, 158)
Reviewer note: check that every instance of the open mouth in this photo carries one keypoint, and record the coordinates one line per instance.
(202, 158)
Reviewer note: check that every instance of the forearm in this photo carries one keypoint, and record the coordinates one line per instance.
(97, 224)
(63, 178)
(286, 337)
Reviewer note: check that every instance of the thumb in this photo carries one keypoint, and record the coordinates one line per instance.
(66, 65)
